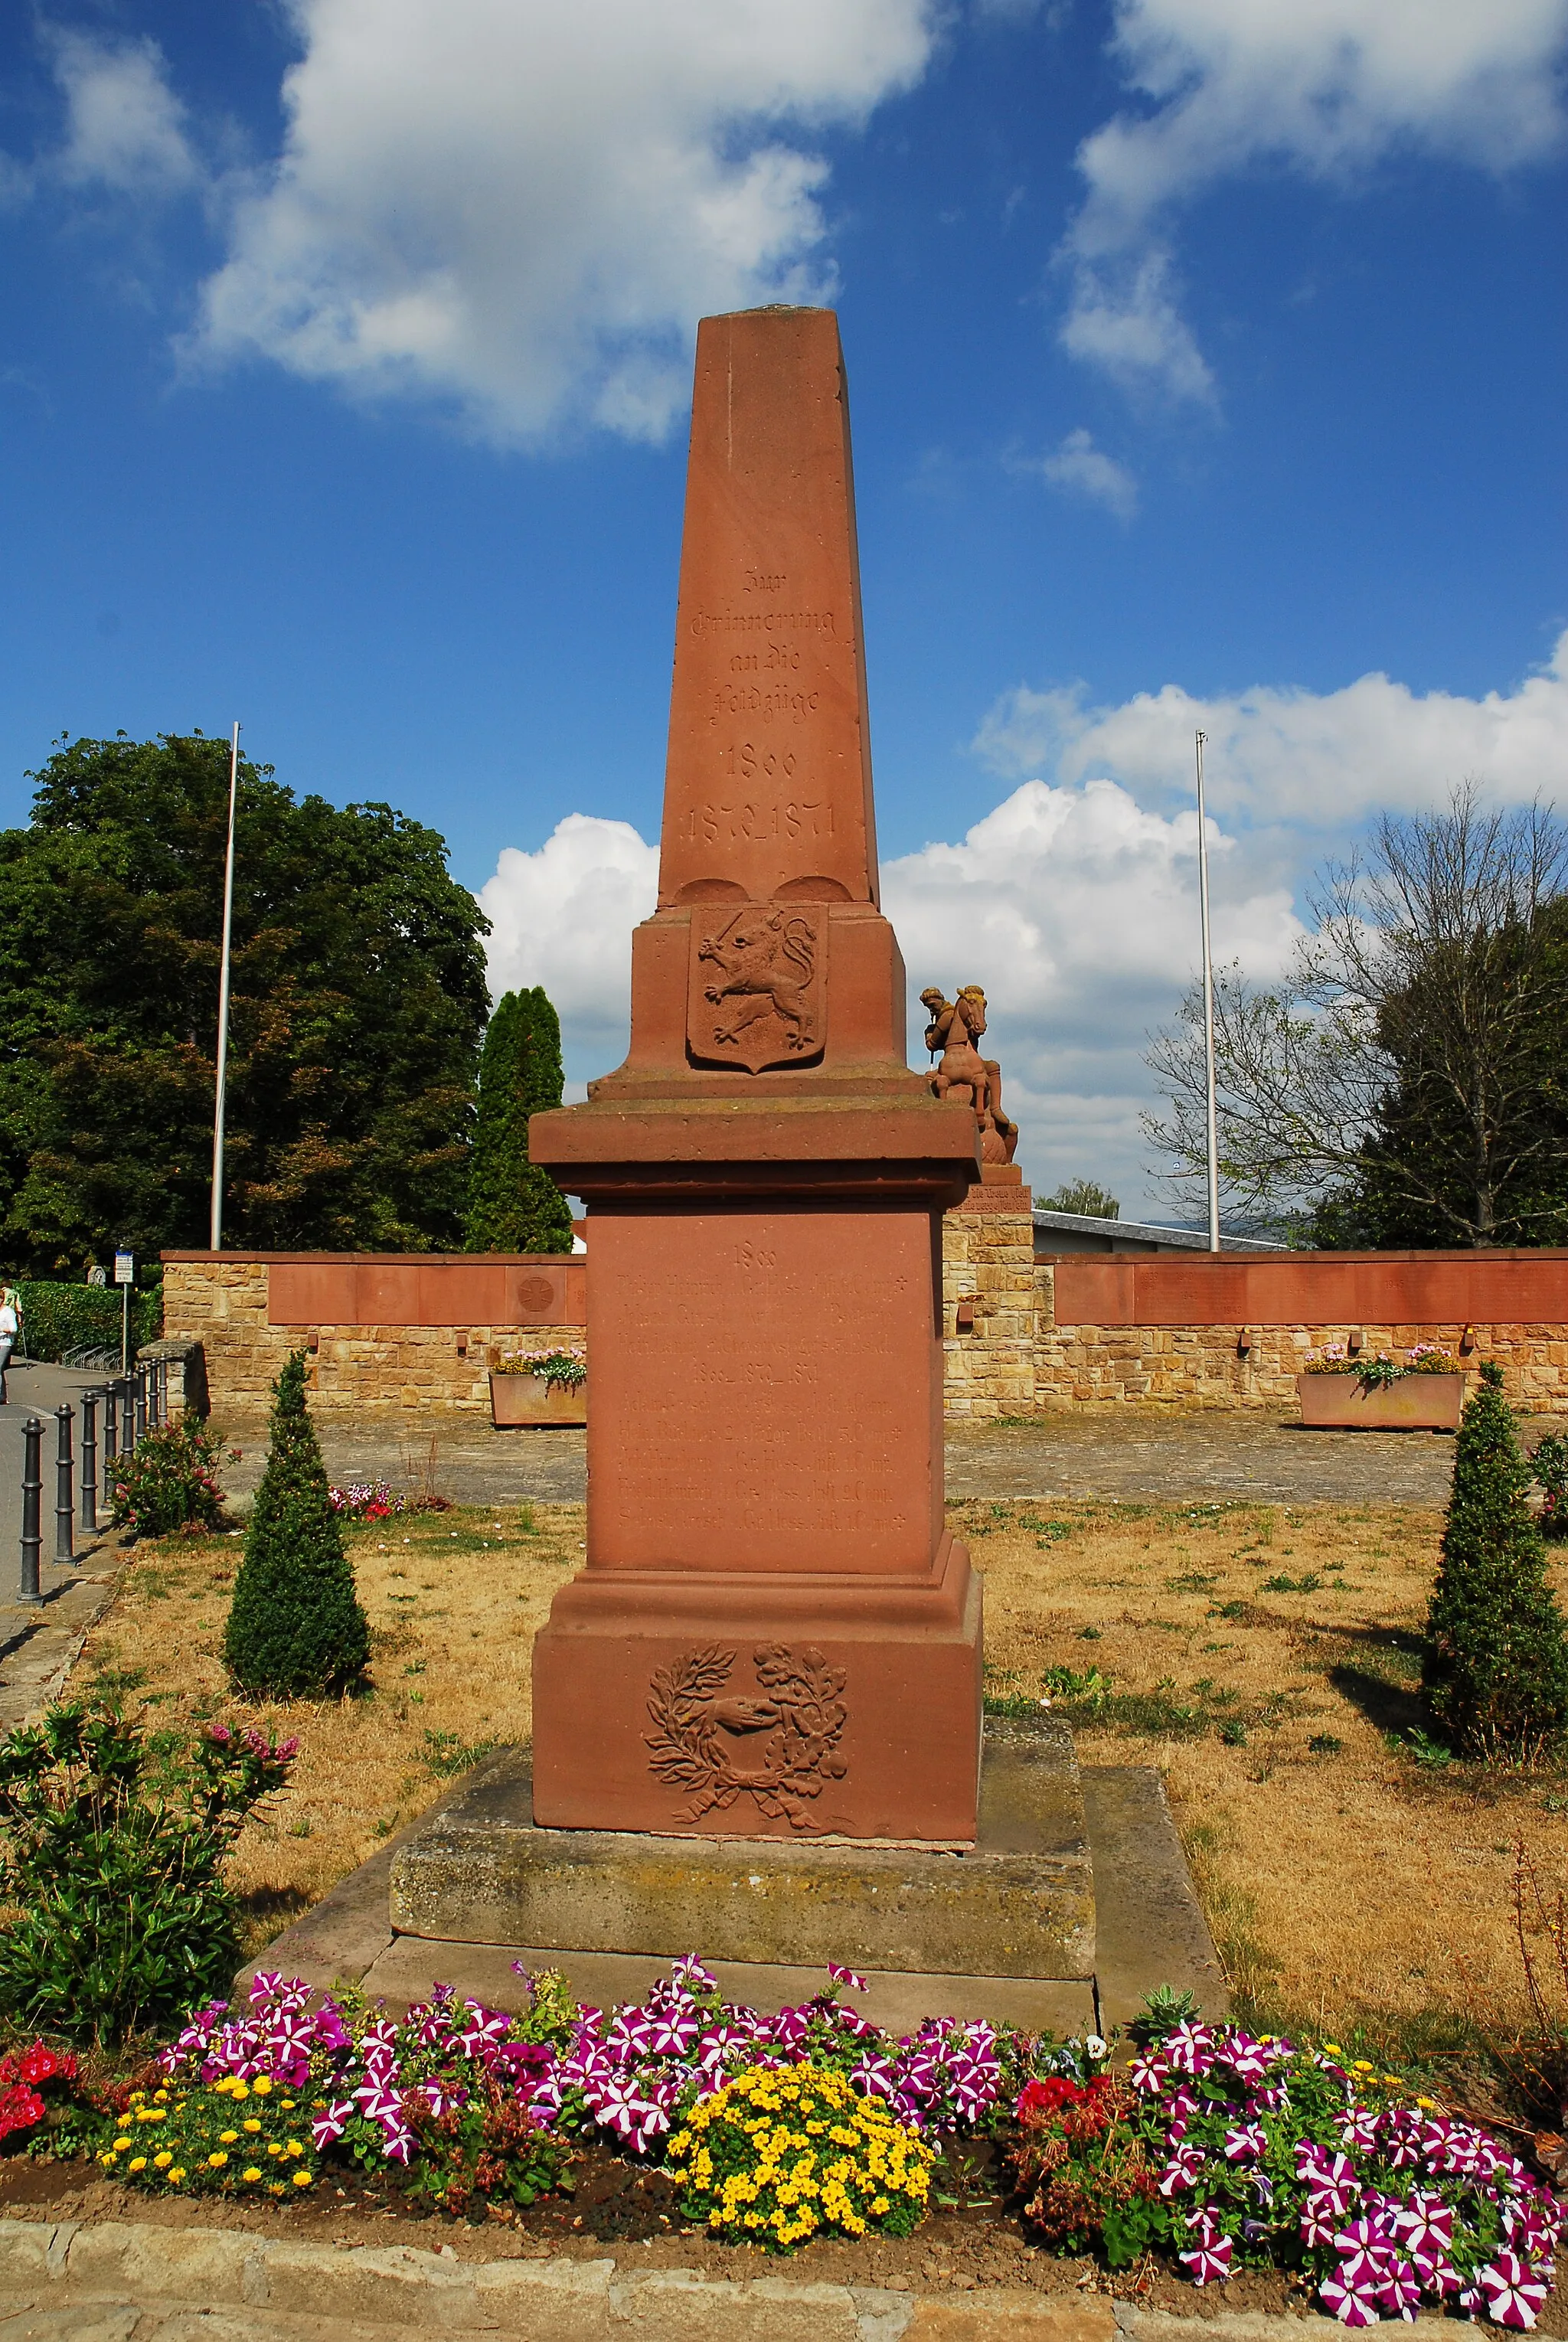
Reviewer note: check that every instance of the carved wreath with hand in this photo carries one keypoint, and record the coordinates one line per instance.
(699, 1730)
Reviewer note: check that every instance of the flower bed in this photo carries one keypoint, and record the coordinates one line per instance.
(1218, 2150)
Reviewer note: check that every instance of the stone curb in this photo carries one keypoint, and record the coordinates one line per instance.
(403, 2289)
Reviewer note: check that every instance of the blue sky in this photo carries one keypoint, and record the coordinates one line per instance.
(1207, 360)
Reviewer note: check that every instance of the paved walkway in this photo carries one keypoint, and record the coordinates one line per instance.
(1127, 1456)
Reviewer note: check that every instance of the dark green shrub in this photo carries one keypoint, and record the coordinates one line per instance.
(294, 1626)
(60, 1318)
(1550, 1466)
(1496, 1663)
(168, 1482)
(114, 1860)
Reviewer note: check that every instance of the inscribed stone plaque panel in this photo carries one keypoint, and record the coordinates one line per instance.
(311, 1293)
(767, 1391)
(385, 1296)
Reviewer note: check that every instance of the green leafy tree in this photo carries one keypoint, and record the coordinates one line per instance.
(294, 1626)
(1496, 1666)
(514, 1205)
(358, 1001)
(1086, 1198)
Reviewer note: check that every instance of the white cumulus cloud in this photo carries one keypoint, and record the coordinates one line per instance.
(1078, 468)
(125, 128)
(1317, 760)
(563, 918)
(1077, 912)
(519, 208)
(1324, 87)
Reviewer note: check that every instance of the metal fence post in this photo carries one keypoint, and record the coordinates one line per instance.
(111, 1429)
(90, 1461)
(64, 1494)
(141, 1401)
(127, 1416)
(31, 1514)
(162, 1371)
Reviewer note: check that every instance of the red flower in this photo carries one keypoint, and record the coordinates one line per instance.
(1048, 2096)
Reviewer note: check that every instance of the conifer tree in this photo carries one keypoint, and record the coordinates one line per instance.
(294, 1626)
(513, 1206)
(1496, 1664)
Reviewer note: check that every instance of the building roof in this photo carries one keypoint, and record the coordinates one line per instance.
(1096, 1235)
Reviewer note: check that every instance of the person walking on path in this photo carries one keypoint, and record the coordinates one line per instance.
(10, 1325)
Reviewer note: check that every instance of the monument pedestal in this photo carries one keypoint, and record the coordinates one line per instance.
(1018, 1902)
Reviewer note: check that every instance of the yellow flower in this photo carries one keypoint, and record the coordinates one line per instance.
(272, 2147)
(1427, 2106)
(160, 2094)
(149, 2114)
(252, 2174)
(287, 2104)
(261, 2086)
(294, 2148)
(227, 2137)
(250, 2123)
(176, 2174)
(136, 2096)
(162, 2162)
(302, 2179)
(1394, 2080)
(120, 2144)
(1332, 2049)
(216, 2161)
(137, 2163)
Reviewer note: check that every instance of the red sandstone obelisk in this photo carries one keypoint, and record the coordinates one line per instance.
(774, 1635)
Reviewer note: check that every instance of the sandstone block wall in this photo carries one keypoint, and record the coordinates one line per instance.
(352, 1370)
(1205, 1366)
(989, 1304)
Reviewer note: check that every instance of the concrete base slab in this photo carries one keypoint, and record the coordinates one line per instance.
(1020, 1902)
(1150, 1931)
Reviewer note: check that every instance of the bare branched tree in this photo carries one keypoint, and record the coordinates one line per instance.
(1415, 1047)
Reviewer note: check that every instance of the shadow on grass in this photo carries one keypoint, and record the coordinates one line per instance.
(267, 1911)
(1392, 1707)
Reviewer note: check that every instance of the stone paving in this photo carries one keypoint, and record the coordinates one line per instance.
(1130, 1456)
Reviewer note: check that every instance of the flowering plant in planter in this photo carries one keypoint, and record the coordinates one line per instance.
(1236, 2151)
(1425, 1358)
(567, 1368)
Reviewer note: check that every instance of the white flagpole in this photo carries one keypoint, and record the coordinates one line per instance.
(218, 1220)
(1208, 1004)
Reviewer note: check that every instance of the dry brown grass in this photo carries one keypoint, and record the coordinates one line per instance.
(1342, 1882)
(454, 1600)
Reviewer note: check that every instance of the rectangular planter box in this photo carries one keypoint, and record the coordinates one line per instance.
(516, 1400)
(1415, 1403)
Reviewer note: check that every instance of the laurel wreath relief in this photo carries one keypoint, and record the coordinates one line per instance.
(699, 1730)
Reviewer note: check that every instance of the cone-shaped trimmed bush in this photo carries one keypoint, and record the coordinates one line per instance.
(295, 1626)
(1496, 1669)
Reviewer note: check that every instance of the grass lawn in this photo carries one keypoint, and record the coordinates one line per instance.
(1261, 1657)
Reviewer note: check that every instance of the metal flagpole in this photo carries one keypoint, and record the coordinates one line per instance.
(218, 1220)
(1208, 1004)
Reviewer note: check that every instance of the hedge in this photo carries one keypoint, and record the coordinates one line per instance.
(60, 1318)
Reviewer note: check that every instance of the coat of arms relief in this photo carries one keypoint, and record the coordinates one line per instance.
(757, 995)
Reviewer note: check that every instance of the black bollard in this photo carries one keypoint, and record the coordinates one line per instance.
(127, 1416)
(162, 1371)
(111, 1428)
(140, 1391)
(64, 1495)
(90, 1461)
(31, 1508)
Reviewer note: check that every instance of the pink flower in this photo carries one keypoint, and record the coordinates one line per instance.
(1515, 2295)
(848, 1977)
(1351, 2307)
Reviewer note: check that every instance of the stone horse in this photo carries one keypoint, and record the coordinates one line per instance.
(963, 1074)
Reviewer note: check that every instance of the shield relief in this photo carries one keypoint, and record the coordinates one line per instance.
(757, 991)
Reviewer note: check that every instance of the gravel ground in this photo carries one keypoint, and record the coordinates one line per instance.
(1127, 1456)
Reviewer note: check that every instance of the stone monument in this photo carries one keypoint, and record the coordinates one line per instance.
(774, 1635)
